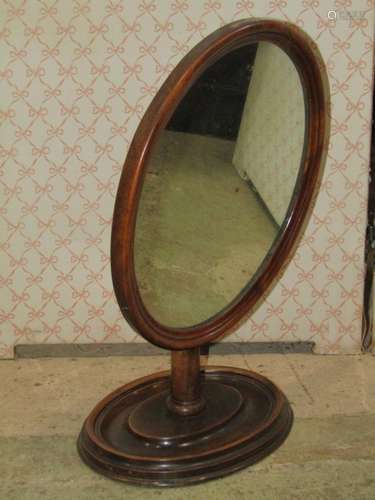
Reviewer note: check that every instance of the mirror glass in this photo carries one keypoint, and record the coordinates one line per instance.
(218, 185)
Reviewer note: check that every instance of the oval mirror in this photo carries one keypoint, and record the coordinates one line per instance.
(218, 182)
(213, 197)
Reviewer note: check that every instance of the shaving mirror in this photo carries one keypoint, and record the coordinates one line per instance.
(214, 194)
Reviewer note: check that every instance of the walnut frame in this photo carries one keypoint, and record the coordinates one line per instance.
(313, 77)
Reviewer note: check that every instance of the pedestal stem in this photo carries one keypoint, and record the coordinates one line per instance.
(186, 397)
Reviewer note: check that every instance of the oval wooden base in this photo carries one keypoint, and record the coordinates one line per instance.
(132, 436)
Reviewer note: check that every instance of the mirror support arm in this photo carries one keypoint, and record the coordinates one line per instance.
(186, 398)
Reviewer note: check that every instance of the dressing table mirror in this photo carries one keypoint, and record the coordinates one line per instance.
(215, 193)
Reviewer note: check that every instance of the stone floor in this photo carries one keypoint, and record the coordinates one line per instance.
(330, 453)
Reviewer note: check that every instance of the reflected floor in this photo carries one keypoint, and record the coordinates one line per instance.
(201, 231)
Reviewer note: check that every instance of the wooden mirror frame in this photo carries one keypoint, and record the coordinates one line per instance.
(190, 425)
(314, 82)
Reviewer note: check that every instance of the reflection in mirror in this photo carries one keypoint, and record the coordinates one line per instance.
(218, 185)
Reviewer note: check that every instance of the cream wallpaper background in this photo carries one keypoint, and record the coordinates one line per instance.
(270, 141)
(76, 77)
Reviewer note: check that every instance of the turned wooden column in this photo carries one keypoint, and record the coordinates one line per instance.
(186, 398)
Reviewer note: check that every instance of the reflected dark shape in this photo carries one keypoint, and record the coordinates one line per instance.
(214, 195)
(219, 95)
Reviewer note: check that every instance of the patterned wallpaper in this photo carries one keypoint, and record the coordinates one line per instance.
(76, 77)
(270, 142)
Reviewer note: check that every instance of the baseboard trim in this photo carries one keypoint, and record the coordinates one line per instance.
(143, 349)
